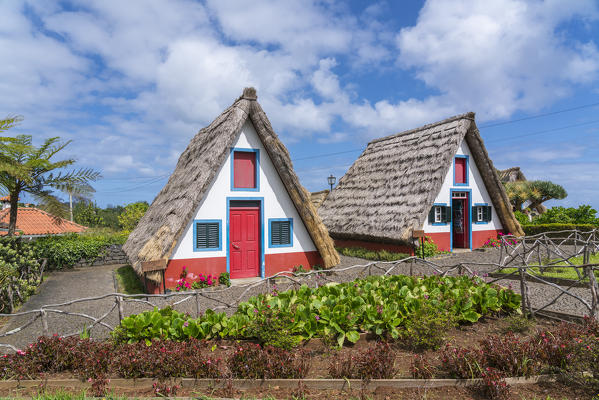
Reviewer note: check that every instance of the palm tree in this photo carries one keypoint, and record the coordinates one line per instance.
(29, 169)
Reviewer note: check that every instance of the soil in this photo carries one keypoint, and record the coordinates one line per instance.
(540, 391)
(465, 335)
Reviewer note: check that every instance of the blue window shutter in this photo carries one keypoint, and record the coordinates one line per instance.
(280, 232)
(207, 235)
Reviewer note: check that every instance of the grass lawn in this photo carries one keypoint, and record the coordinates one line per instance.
(127, 281)
(557, 271)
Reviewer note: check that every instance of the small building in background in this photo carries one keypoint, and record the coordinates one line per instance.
(437, 178)
(32, 222)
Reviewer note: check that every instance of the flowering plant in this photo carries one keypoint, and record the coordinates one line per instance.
(182, 283)
(204, 281)
(496, 242)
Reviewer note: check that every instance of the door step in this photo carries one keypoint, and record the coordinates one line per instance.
(244, 281)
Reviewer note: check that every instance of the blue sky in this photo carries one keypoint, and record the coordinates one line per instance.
(130, 83)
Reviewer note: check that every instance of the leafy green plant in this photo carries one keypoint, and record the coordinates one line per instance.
(271, 328)
(382, 305)
(584, 214)
(133, 212)
(224, 279)
(541, 228)
(517, 324)
(19, 272)
(427, 327)
(299, 269)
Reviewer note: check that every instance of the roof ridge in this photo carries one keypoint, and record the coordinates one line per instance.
(468, 115)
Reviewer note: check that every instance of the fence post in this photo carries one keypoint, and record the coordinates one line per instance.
(593, 286)
(197, 304)
(9, 294)
(119, 304)
(585, 255)
(44, 316)
(523, 291)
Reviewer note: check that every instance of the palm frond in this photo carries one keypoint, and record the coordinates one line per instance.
(9, 122)
(51, 204)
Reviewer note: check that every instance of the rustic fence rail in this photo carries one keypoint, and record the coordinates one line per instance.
(521, 255)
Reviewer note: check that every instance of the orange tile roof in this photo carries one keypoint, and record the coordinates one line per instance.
(5, 198)
(33, 221)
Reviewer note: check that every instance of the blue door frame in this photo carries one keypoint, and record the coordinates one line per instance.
(469, 191)
(260, 200)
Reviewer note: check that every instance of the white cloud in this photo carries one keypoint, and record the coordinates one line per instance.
(336, 137)
(499, 56)
(543, 154)
(135, 80)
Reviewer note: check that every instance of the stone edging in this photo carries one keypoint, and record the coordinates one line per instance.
(245, 384)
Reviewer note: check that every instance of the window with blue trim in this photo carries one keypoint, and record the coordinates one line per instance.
(440, 214)
(460, 170)
(280, 232)
(245, 169)
(206, 235)
(481, 213)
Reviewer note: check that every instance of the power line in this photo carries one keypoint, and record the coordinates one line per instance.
(133, 178)
(543, 131)
(327, 154)
(128, 189)
(541, 115)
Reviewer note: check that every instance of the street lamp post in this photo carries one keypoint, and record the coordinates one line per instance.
(331, 179)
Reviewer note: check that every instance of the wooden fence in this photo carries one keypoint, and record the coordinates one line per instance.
(527, 258)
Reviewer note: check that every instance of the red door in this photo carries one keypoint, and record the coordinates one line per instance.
(460, 220)
(244, 243)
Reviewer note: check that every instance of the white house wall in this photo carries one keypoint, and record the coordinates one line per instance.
(479, 195)
(277, 204)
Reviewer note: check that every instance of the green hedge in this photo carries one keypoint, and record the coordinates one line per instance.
(64, 251)
(375, 255)
(540, 228)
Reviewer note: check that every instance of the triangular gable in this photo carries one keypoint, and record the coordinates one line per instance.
(160, 228)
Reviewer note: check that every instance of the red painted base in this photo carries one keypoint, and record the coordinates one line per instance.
(285, 262)
(394, 248)
(480, 237)
(443, 239)
(215, 266)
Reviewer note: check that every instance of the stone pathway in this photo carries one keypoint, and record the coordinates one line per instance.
(60, 287)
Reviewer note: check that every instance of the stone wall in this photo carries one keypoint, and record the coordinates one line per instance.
(114, 255)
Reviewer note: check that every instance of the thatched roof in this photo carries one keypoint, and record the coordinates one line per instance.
(389, 190)
(318, 197)
(511, 175)
(159, 230)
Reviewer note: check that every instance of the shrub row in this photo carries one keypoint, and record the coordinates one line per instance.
(540, 228)
(90, 359)
(65, 251)
(375, 255)
(569, 348)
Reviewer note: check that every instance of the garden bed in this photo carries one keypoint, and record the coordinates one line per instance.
(381, 327)
(311, 363)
